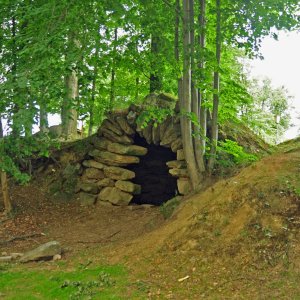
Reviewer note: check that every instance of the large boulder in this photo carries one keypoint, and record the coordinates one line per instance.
(43, 252)
(115, 196)
(117, 173)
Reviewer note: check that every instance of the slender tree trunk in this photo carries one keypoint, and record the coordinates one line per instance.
(186, 126)
(4, 184)
(1, 128)
(30, 117)
(16, 128)
(93, 96)
(194, 95)
(69, 112)
(155, 79)
(214, 127)
(91, 122)
(137, 87)
(176, 48)
(6, 198)
(202, 108)
(113, 71)
(43, 118)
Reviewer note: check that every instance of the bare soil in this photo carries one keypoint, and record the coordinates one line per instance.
(238, 239)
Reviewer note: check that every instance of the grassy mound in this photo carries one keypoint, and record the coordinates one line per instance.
(239, 234)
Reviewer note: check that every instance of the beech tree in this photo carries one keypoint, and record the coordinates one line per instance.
(84, 59)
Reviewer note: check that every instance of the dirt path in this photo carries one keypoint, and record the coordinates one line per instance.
(76, 227)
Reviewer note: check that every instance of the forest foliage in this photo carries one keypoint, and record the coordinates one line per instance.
(81, 59)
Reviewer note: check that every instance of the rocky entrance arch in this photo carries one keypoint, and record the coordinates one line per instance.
(133, 164)
(152, 174)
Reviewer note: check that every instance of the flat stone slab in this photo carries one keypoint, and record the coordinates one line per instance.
(93, 173)
(129, 187)
(176, 164)
(118, 173)
(127, 149)
(43, 252)
(115, 196)
(179, 172)
(93, 164)
(5, 259)
(113, 158)
(121, 120)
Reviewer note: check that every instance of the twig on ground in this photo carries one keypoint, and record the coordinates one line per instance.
(21, 237)
(101, 240)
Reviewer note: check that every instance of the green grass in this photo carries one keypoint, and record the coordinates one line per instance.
(109, 282)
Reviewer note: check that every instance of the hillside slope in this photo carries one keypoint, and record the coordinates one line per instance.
(239, 238)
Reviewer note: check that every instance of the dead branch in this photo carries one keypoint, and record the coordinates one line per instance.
(21, 237)
(101, 240)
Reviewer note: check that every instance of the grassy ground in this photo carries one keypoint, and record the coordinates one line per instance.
(109, 282)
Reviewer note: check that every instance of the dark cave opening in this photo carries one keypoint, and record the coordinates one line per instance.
(152, 173)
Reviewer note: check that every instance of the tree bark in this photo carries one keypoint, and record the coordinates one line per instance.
(6, 198)
(113, 71)
(214, 126)
(194, 95)
(43, 118)
(16, 128)
(155, 79)
(1, 129)
(202, 108)
(93, 96)
(69, 112)
(186, 127)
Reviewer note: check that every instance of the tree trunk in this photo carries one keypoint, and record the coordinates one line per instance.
(113, 71)
(69, 112)
(176, 33)
(43, 118)
(1, 129)
(91, 122)
(155, 80)
(93, 96)
(6, 198)
(214, 125)
(202, 108)
(16, 128)
(194, 95)
(185, 103)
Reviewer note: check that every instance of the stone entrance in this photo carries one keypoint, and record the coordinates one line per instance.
(131, 163)
(152, 174)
